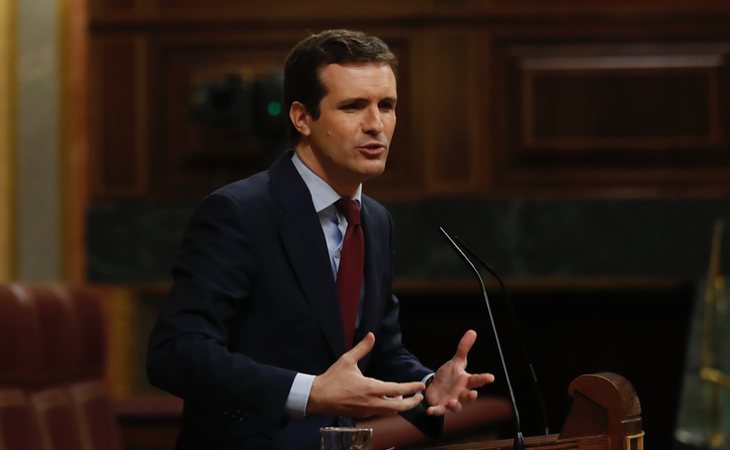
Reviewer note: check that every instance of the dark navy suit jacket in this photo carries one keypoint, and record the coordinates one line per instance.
(253, 302)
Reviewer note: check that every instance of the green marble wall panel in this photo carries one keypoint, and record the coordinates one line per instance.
(135, 242)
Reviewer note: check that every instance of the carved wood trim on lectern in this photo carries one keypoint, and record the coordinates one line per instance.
(605, 415)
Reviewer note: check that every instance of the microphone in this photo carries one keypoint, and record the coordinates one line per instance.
(525, 354)
(519, 441)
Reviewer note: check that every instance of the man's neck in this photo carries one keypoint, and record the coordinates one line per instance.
(307, 156)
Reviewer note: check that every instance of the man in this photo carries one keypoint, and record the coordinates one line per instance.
(255, 334)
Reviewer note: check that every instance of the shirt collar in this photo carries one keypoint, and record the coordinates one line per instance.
(323, 196)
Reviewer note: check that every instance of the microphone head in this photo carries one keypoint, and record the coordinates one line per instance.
(460, 252)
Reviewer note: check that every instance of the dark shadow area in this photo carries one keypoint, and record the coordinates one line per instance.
(639, 333)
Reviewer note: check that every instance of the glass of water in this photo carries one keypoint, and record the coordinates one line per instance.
(346, 438)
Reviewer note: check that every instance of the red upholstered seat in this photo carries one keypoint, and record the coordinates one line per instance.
(58, 331)
(52, 391)
(91, 334)
(96, 415)
(19, 338)
(18, 426)
(58, 423)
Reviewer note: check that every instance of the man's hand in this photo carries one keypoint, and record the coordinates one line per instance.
(343, 390)
(453, 385)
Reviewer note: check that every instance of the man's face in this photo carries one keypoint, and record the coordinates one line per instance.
(348, 143)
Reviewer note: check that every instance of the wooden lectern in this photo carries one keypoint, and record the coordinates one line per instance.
(605, 415)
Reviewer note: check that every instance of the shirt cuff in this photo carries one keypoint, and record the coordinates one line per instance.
(296, 402)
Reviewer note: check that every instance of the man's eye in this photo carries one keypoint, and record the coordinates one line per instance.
(387, 106)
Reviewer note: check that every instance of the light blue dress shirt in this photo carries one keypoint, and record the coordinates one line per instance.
(334, 226)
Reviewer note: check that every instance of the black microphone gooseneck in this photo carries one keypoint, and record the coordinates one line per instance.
(519, 441)
(535, 384)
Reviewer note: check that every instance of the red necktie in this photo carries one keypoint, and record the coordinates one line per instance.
(350, 272)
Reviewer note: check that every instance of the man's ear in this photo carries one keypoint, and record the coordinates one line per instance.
(300, 118)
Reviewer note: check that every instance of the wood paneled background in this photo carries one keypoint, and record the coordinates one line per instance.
(497, 98)
(569, 140)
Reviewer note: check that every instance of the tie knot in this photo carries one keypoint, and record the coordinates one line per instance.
(350, 209)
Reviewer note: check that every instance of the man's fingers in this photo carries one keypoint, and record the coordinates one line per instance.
(454, 405)
(440, 410)
(465, 344)
(436, 410)
(362, 348)
(379, 404)
(398, 404)
(389, 389)
(479, 380)
(406, 403)
(468, 396)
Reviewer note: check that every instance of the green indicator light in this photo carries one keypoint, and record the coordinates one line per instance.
(274, 108)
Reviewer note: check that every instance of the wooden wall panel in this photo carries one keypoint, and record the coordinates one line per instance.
(110, 12)
(614, 114)
(497, 99)
(435, 11)
(449, 93)
(101, 7)
(653, 107)
(118, 118)
(75, 140)
(8, 140)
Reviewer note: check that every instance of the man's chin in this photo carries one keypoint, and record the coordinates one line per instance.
(373, 170)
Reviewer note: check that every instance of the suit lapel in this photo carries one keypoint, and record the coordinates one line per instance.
(302, 236)
(373, 280)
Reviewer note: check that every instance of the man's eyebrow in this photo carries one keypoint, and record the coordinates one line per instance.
(356, 100)
(345, 101)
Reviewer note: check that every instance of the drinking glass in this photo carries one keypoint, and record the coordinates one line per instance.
(346, 438)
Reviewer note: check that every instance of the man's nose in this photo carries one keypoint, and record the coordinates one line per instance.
(372, 120)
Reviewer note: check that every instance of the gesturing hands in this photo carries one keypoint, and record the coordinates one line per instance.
(453, 385)
(343, 390)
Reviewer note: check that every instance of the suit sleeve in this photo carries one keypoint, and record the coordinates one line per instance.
(188, 353)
